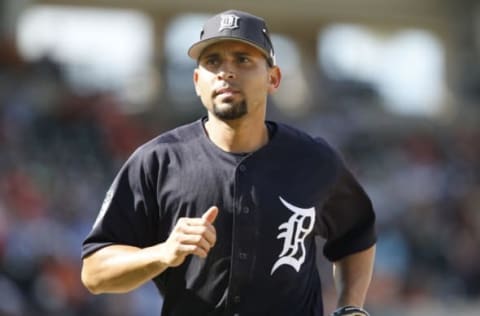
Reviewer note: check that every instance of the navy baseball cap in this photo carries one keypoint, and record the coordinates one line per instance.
(238, 26)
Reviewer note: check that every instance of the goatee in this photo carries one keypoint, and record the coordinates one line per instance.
(230, 111)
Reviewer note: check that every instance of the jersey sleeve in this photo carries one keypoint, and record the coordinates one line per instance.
(130, 209)
(348, 216)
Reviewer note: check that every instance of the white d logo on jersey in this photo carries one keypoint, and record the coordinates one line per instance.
(294, 231)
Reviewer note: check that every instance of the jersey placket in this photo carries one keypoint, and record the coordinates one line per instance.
(243, 238)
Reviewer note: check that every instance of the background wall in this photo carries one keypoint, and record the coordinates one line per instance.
(393, 84)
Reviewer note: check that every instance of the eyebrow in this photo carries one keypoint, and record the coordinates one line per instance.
(208, 56)
(217, 55)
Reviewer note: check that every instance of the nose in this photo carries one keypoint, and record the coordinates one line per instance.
(226, 71)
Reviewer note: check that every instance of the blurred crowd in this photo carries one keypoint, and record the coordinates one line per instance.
(60, 149)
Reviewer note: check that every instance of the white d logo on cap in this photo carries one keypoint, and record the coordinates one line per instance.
(228, 21)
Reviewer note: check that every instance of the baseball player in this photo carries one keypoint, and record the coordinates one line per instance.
(222, 213)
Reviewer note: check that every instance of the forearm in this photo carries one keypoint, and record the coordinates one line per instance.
(352, 276)
(120, 268)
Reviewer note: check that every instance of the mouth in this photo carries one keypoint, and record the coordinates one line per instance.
(225, 92)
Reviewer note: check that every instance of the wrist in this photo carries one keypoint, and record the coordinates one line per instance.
(350, 311)
(158, 259)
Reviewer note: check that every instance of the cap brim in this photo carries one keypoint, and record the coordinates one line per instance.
(196, 49)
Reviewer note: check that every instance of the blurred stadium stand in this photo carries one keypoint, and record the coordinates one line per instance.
(394, 84)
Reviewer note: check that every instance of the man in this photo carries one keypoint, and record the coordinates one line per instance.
(222, 213)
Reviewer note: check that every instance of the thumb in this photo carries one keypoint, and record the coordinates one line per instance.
(211, 214)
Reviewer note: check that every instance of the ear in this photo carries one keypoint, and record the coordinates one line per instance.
(195, 81)
(275, 77)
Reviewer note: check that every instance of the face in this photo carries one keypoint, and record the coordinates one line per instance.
(233, 80)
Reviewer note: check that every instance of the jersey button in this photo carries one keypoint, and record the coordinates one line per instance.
(236, 299)
(243, 255)
(246, 210)
(242, 168)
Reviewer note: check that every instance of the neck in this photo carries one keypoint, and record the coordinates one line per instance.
(237, 136)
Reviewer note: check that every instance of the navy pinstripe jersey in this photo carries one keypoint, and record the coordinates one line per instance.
(272, 203)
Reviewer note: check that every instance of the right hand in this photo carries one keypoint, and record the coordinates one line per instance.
(191, 236)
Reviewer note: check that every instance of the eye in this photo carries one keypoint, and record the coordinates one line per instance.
(243, 59)
(212, 61)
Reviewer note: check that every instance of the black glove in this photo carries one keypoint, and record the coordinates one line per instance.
(350, 311)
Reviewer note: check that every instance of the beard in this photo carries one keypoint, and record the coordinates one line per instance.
(229, 110)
